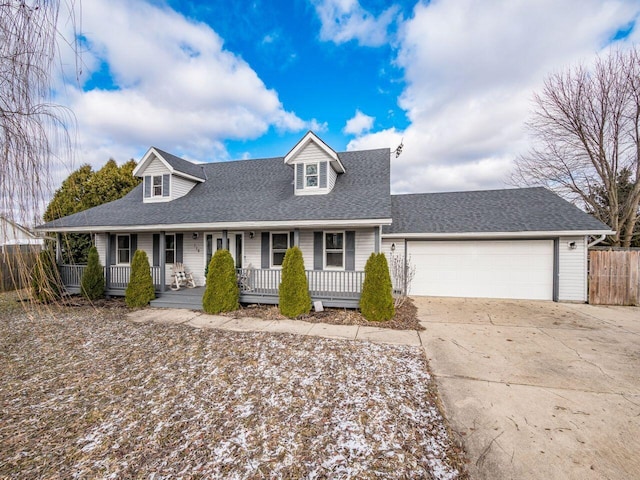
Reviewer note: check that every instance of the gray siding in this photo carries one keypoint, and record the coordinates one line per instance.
(332, 178)
(180, 186)
(311, 153)
(155, 167)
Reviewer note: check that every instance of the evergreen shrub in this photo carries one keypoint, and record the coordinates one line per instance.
(294, 288)
(222, 293)
(92, 283)
(140, 290)
(376, 301)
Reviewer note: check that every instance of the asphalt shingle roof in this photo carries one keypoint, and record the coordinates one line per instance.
(182, 165)
(255, 190)
(514, 210)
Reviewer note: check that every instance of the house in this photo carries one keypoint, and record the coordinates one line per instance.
(337, 207)
(15, 236)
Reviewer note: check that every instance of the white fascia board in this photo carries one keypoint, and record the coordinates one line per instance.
(187, 176)
(146, 159)
(312, 137)
(472, 235)
(224, 226)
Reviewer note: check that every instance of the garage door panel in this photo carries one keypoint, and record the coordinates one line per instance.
(492, 269)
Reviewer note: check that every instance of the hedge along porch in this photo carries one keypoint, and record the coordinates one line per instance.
(334, 259)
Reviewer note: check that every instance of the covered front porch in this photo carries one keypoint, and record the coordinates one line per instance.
(333, 288)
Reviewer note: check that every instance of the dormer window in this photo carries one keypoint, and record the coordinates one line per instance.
(316, 166)
(157, 187)
(311, 175)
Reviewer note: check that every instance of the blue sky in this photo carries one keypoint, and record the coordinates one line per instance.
(219, 80)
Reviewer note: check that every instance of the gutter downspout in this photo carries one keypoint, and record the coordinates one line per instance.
(597, 241)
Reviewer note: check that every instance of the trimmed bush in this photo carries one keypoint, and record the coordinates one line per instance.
(222, 293)
(294, 289)
(376, 302)
(46, 284)
(92, 283)
(140, 290)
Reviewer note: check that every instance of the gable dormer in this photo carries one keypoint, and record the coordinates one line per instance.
(316, 166)
(166, 177)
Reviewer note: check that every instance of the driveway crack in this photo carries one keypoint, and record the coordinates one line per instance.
(578, 354)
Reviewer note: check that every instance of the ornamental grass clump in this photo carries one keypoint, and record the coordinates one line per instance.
(92, 283)
(140, 290)
(46, 284)
(222, 293)
(376, 302)
(294, 288)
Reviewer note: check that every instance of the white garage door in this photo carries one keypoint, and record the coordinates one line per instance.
(486, 269)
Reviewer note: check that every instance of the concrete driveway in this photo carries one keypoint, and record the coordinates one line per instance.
(538, 389)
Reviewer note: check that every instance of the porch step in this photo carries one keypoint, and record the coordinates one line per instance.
(184, 298)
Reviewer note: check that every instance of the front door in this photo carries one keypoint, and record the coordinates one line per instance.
(213, 242)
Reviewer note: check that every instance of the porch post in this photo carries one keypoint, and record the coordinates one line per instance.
(107, 263)
(296, 237)
(163, 260)
(58, 248)
(225, 240)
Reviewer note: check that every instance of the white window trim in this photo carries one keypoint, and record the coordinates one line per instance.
(324, 249)
(166, 249)
(271, 252)
(317, 175)
(159, 198)
(118, 249)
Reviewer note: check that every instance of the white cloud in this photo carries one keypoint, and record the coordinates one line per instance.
(345, 20)
(359, 124)
(471, 69)
(175, 87)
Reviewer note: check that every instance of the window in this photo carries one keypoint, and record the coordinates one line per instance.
(170, 250)
(334, 249)
(157, 185)
(279, 245)
(311, 175)
(123, 244)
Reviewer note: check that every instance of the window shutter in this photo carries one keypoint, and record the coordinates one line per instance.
(133, 245)
(113, 250)
(166, 179)
(323, 174)
(156, 249)
(299, 176)
(179, 249)
(291, 239)
(147, 186)
(317, 251)
(265, 250)
(350, 251)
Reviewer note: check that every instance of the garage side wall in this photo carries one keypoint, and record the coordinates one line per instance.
(572, 270)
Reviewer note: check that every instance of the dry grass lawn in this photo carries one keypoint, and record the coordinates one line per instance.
(85, 393)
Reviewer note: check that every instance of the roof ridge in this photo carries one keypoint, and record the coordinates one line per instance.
(469, 191)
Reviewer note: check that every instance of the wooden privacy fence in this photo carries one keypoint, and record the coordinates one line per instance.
(614, 277)
(15, 267)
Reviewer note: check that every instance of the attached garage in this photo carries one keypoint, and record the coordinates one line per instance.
(524, 243)
(520, 269)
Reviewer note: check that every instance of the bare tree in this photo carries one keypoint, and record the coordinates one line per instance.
(32, 129)
(402, 273)
(586, 130)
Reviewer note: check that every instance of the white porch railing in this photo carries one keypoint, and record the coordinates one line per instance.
(322, 283)
(326, 284)
(72, 276)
